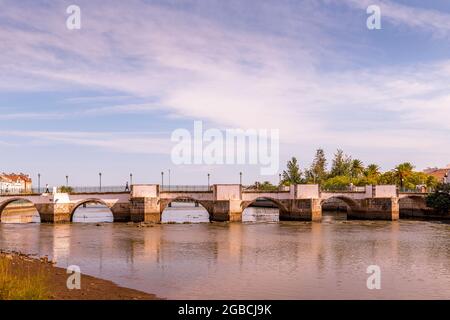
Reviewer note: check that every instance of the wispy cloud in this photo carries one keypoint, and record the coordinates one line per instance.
(121, 142)
(265, 70)
(420, 19)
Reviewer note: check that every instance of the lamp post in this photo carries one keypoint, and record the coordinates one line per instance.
(240, 178)
(162, 180)
(208, 180)
(131, 179)
(169, 179)
(100, 180)
(445, 178)
(39, 183)
(67, 180)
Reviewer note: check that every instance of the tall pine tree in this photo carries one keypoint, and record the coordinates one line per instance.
(318, 170)
(293, 174)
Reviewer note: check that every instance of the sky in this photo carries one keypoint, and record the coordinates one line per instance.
(107, 97)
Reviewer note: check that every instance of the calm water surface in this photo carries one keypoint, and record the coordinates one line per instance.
(257, 259)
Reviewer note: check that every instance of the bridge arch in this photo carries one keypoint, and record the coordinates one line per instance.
(351, 204)
(268, 210)
(9, 201)
(164, 203)
(206, 205)
(278, 203)
(90, 200)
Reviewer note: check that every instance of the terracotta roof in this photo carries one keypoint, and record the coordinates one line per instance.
(13, 177)
(439, 173)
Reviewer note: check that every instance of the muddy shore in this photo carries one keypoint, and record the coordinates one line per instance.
(56, 278)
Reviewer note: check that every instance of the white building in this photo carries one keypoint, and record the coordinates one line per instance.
(14, 183)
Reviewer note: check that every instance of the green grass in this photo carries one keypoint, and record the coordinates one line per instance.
(21, 284)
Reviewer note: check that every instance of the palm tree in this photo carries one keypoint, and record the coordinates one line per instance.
(357, 168)
(372, 170)
(403, 171)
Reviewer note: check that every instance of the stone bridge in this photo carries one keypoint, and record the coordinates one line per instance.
(223, 202)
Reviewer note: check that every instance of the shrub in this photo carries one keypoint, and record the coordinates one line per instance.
(440, 199)
(65, 189)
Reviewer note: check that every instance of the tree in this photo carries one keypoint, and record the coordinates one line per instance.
(341, 165)
(337, 183)
(372, 174)
(318, 170)
(265, 186)
(372, 170)
(440, 199)
(65, 189)
(356, 168)
(403, 171)
(293, 174)
(388, 177)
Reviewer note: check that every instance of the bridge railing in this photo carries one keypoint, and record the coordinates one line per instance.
(255, 188)
(185, 188)
(98, 189)
(419, 190)
(42, 190)
(344, 189)
(6, 192)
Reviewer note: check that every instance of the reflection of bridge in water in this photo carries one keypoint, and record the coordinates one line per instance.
(223, 202)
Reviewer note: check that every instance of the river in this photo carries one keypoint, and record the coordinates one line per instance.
(258, 259)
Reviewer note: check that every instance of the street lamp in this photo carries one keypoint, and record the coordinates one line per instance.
(100, 180)
(169, 179)
(67, 180)
(240, 178)
(131, 179)
(208, 180)
(39, 183)
(162, 180)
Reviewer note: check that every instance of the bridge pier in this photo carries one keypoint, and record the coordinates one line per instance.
(376, 209)
(54, 212)
(145, 209)
(302, 210)
(226, 210)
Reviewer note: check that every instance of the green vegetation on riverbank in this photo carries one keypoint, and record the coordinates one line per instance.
(440, 199)
(21, 284)
(345, 171)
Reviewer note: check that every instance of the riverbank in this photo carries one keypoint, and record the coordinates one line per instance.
(25, 277)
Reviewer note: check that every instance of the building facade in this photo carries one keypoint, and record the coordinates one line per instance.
(441, 174)
(15, 183)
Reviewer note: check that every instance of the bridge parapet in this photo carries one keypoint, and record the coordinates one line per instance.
(304, 191)
(385, 191)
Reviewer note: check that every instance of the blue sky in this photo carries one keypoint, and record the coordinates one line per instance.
(107, 97)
